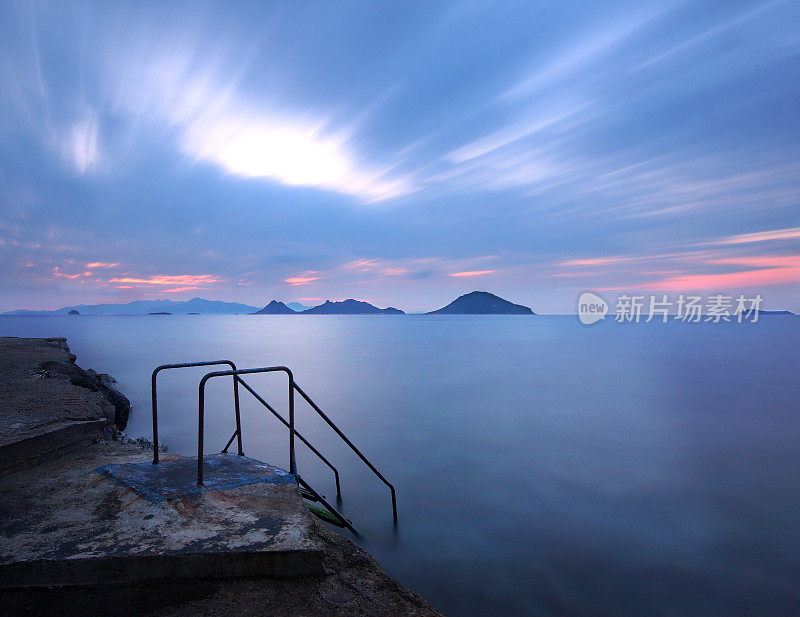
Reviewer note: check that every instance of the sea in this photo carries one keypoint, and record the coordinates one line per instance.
(542, 466)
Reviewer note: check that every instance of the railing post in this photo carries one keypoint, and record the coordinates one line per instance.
(236, 408)
(200, 411)
(292, 461)
(155, 416)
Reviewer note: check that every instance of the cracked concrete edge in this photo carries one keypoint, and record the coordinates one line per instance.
(162, 568)
(62, 438)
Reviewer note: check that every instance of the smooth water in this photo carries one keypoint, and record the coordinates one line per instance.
(543, 467)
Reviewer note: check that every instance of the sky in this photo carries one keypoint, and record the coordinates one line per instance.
(400, 153)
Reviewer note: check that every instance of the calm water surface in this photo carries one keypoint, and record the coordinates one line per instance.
(542, 467)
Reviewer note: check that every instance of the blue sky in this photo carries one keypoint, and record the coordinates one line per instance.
(401, 153)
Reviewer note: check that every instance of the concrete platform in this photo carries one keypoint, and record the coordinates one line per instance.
(88, 526)
(79, 520)
(77, 508)
(42, 413)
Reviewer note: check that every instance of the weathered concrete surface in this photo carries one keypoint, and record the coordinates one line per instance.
(91, 528)
(353, 586)
(42, 413)
(76, 541)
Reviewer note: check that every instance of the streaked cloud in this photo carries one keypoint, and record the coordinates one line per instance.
(594, 261)
(790, 233)
(169, 279)
(81, 146)
(535, 122)
(303, 279)
(755, 273)
(585, 50)
(472, 273)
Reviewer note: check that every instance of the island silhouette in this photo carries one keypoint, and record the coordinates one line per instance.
(482, 303)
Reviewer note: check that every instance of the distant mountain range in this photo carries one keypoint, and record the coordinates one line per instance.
(143, 307)
(474, 303)
(346, 307)
(482, 303)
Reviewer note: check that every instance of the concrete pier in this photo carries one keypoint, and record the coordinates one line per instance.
(95, 528)
(88, 525)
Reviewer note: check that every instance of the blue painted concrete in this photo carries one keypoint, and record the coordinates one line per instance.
(173, 479)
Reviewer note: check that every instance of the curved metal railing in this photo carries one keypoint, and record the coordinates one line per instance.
(290, 424)
(154, 400)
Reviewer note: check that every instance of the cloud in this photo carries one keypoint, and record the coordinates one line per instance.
(587, 50)
(594, 261)
(377, 266)
(363, 265)
(245, 132)
(101, 264)
(288, 151)
(303, 279)
(81, 145)
(535, 121)
(472, 273)
(788, 233)
(167, 280)
(758, 272)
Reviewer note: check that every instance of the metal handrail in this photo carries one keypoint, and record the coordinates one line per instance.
(154, 400)
(330, 508)
(292, 432)
(352, 447)
(234, 373)
(299, 436)
(292, 387)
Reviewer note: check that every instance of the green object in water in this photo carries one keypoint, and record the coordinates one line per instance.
(325, 515)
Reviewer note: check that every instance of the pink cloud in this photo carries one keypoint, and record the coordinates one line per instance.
(369, 265)
(394, 271)
(168, 280)
(362, 264)
(57, 273)
(472, 273)
(762, 271)
(302, 280)
(101, 264)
